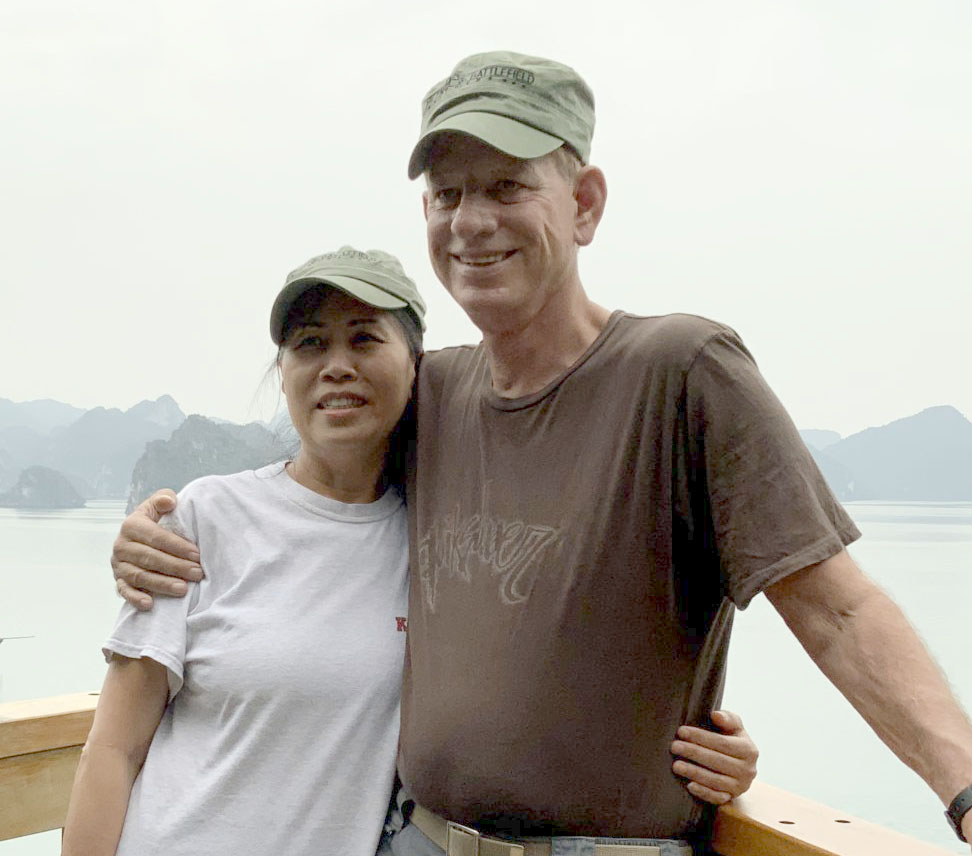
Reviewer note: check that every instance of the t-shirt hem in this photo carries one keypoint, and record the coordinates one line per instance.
(172, 664)
(828, 546)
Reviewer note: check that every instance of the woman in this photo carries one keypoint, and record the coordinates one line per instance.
(259, 714)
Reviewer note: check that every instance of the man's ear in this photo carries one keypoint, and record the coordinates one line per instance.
(425, 205)
(590, 193)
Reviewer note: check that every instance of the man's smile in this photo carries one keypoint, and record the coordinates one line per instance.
(482, 259)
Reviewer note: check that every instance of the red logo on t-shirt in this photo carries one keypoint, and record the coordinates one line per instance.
(402, 623)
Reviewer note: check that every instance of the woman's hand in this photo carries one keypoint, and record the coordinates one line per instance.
(718, 765)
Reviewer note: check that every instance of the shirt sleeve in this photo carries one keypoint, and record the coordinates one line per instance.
(161, 633)
(771, 511)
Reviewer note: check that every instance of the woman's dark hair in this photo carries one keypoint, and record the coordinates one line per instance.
(401, 440)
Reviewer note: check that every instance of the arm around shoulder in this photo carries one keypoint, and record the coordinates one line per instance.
(132, 701)
(146, 557)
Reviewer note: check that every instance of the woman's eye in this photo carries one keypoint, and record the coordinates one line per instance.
(308, 342)
(365, 338)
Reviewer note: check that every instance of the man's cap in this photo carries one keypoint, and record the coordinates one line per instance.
(524, 106)
(371, 276)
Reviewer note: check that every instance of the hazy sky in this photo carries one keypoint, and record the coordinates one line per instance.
(799, 170)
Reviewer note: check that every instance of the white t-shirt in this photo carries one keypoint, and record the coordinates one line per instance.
(285, 668)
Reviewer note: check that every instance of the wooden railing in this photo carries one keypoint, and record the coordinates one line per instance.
(40, 742)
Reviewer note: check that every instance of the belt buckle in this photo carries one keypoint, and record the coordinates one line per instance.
(461, 840)
(465, 841)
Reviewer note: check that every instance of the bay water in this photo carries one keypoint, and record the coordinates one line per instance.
(56, 586)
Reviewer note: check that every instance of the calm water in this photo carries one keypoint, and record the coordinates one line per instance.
(55, 585)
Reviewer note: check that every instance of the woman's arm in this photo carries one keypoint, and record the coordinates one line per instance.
(131, 704)
(719, 765)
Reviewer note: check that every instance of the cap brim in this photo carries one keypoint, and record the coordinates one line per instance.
(357, 288)
(508, 135)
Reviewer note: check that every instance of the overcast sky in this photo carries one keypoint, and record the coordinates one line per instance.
(799, 170)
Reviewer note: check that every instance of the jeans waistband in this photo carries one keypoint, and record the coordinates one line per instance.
(458, 840)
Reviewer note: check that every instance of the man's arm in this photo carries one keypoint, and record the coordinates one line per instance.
(147, 558)
(862, 642)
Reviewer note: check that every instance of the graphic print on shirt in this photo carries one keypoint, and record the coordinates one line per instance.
(457, 545)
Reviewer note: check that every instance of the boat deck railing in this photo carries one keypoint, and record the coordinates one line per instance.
(41, 740)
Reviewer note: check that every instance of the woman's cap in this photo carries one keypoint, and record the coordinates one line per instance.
(525, 106)
(371, 276)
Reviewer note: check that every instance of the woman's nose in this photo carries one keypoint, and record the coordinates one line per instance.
(338, 366)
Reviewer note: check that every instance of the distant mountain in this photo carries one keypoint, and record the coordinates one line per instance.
(102, 446)
(163, 412)
(41, 487)
(925, 457)
(838, 476)
(201, 447)
(43, 416)
(817, 439)
(95, 451)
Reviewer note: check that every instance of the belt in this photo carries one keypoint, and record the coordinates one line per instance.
(458, 840)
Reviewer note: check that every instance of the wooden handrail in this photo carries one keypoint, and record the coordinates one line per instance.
(768, 820)
(40, 743)
(41, 740)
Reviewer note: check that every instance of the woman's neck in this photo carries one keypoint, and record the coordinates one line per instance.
(350, 478)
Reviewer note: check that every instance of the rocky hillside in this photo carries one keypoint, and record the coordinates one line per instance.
(201, 447)
(95, 450)
(922, 458)
(41, 487)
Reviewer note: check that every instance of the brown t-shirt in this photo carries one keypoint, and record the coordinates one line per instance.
(576, 555)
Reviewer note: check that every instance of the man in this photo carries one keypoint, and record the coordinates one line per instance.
(593, 493)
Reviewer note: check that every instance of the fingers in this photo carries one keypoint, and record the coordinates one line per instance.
(707, 794)
(706, 784)
(719, 762)
(160, 559)
(141, 528)
(719, 765)
(735, 745)
(147, 581)
(727, 721)
(139, 599)
(159, 503)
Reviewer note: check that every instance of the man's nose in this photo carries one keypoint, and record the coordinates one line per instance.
(474, 215)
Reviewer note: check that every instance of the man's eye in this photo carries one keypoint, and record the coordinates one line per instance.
(447, 197)
(506, 189)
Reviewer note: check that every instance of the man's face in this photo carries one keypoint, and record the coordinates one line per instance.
(501, 231)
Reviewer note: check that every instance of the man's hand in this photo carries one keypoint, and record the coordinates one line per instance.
(719, 765)
(967, 826)
(147, 558)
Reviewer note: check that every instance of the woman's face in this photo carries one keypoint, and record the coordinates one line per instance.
(347, 372)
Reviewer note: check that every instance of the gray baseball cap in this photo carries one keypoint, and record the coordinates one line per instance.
(372, 276)
(525, 106)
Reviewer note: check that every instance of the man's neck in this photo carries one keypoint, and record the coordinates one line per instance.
(525, 359)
